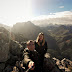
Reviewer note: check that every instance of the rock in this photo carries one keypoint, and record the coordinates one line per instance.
(2, 65)
(16, 49)
(10, 51)
(65, 62)
(49, 65)
(4, 35)
(4, 44)
(4, 52)
(57, 61)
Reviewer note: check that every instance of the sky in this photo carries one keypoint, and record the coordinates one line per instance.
(13, 11)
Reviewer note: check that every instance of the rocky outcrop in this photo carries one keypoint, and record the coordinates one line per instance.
(15, 47)
(4, 53)
(49, 65)
(10, 50)
(4, 44)
(64, 64)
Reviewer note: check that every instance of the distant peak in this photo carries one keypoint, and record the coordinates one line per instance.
(29, 22)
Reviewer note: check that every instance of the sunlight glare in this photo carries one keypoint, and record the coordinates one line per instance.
(16, 11)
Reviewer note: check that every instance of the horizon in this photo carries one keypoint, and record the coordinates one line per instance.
(56, 11)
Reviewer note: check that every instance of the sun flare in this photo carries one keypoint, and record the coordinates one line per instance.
(16, 11)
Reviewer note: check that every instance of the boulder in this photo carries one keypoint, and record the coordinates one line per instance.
(15, 47)
(49, 65)
(4, 44)
(4, 52)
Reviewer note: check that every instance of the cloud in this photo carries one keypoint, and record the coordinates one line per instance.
(61, 7)
(64, 17)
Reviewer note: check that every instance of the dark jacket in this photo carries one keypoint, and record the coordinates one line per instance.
(31, 56)
(41, 50)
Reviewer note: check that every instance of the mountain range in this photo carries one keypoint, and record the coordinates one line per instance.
(58, 37)
(29, 31)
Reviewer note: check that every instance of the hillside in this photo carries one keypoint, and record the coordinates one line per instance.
(63, 36)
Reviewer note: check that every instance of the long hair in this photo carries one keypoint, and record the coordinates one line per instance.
(37, 40)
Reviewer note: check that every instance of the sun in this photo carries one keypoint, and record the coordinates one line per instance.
(16, 11)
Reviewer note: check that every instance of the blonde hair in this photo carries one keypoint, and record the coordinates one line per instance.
(37, 40)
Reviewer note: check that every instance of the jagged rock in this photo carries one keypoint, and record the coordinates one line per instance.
(49, 65)
(59, 64)
(14, 53)
(10, 51)
(65, 62)
(4, 52)
(57, 61)
(15, 47)
(4, 44)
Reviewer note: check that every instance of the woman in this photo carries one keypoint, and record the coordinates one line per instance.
(41, 46)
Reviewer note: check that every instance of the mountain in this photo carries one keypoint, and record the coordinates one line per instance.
(63, 36)
(62, 30)
(5, 26)
(62, 33)
(29, 31)
(11, 51)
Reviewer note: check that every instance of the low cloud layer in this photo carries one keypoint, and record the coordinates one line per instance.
(54, 18)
